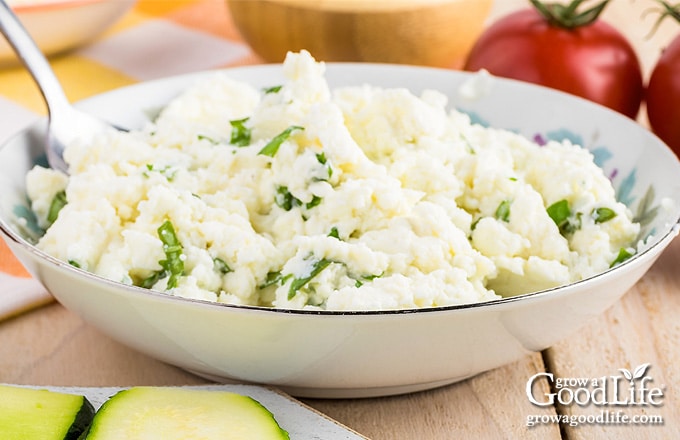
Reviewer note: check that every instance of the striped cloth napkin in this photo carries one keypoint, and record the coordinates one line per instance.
(157, 38)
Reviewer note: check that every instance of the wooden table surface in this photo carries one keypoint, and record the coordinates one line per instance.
(52, 346)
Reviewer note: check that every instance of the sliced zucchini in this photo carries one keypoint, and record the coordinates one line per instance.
(168, 413)
(36, 414)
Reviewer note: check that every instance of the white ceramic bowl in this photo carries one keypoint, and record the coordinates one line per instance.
(61, 25)
(355, 354)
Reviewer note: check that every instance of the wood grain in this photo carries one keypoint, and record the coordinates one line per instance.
(490, 405)
(641, 328)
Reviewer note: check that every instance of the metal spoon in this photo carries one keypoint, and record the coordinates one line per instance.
(66, 124)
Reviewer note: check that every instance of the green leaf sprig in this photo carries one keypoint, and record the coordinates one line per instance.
(603, 214)
(240, 133)
(298, 283)
(272, 146)
(560, 213)
(285, 200)
(503, 211)
(174, 262)
(622, 256)
(58, 202)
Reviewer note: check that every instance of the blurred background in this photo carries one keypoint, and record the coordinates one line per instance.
(118, 42)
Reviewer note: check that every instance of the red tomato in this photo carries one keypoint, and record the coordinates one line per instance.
(663, 96)
(592, 60)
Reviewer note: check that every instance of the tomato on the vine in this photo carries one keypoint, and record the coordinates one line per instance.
(663, 90)
(556, 46)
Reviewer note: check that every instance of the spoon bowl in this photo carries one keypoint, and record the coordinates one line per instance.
(66, 123)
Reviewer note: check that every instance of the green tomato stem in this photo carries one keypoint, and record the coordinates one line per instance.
(567, 16)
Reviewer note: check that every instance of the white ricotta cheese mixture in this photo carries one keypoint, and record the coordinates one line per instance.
(359, 198)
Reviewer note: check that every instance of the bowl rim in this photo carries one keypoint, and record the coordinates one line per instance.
(658, 240)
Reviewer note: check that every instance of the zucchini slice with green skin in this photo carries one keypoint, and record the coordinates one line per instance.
(37, 414)
(168, 413)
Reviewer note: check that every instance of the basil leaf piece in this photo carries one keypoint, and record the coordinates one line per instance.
(321, 158)
(623, 255)
(274, 278)
(314, 202)
(360, 282)
(273, 89)
(603, 214)
(273, 146)
(167, 171)
(240, 134)
(572, 224)
(503, 211)
(285, 200)
(152, 279)
(334, 233)
(58, 202)
(221, 266)
(173, 263)
(202, 137)
(559, 212)
(298, 283)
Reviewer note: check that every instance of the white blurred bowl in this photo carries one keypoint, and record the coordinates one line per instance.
(61, 25)
(359, 354)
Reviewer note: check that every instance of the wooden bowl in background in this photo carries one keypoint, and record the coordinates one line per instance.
(435, 33)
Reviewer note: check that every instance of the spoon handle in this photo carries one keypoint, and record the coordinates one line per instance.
(33, 59)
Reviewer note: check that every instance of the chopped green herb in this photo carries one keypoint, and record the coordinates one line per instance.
(221, 266)
(572, 224)
(287, 201)
(559, 212)
(298, 283)
(274, 278)
(202, 137)
(240, 134)
(152, 279)
(503, 211)
(623, 255)
(58, 202)
(474, 224)
(74, 263)
(372, 277)
(284, 199)
(167, 171)
(359, 283)
(274, 89)
(334, 233)
(314, 202)
(273, 146)
(173, 263)
(601, 215)
(321, 157)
